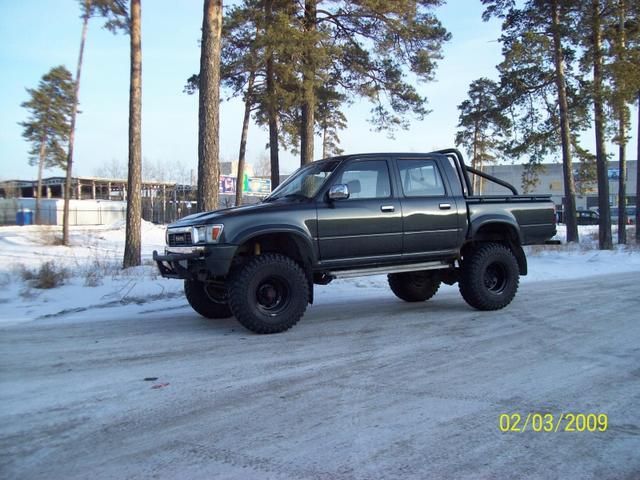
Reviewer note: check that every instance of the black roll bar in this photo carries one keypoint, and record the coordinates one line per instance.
(464, 171)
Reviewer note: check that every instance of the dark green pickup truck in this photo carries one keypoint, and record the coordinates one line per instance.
(411, 216)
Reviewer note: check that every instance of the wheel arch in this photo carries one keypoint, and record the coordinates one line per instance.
(287, 241)
(501, 230)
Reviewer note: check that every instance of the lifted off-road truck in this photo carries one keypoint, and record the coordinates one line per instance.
(411, 216)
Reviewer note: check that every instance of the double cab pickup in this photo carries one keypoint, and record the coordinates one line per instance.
(411, 216)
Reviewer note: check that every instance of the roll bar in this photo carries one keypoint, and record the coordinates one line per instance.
(464, 171)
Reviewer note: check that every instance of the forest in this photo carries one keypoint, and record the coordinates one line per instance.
(568, 68)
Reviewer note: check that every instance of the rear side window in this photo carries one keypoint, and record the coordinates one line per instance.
(420, 178)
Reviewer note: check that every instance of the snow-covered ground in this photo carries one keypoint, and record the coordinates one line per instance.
(129, 382)
(95, 279)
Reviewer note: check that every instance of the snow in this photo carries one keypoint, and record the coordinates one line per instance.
(93, 264)
(95, 279)
(123, 380)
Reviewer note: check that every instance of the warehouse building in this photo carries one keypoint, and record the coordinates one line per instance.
(550, 182)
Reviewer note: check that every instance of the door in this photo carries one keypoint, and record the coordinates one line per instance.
(430, 215)
(367, 225)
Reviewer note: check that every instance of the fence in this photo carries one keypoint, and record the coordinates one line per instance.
(86, 212)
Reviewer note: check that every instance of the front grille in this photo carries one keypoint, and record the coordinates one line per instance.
(181, 239)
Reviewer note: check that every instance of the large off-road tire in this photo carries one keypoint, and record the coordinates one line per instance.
(269, 293)
(208, 301)
(414, 286)
(490, 277)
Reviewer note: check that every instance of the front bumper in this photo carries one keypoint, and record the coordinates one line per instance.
(194, 263)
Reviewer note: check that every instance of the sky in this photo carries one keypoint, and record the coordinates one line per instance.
(36, 35)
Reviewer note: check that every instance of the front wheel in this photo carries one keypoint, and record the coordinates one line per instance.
(269, 294)
(490, 277)
(206, 299)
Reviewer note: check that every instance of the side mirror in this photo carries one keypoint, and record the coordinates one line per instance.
(339, 192)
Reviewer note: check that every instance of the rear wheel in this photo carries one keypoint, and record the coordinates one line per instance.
(490, 277)
(208, 300)
(269, 294)
(414, 286)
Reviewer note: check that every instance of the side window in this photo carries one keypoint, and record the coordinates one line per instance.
(420, 178)
(367, 179)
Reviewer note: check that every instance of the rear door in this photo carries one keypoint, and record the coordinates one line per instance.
(431, 223)
(367, 226)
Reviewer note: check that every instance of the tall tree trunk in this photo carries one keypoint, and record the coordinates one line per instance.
(243, 139)
(622, 132)
(41, 160)
(209, 107)
(622, 178)
(474, 160)
(604, 235)
(272, 112)
(72, 130)
(325, 142)
(638, 176)
(134, 185)
(567, 169)
(308, 77)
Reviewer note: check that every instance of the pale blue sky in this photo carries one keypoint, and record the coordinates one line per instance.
(38, 34)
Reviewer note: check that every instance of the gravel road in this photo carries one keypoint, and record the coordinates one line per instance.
(362, 388)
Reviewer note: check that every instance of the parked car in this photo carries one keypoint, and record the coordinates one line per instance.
(583, 217)
(587, 217)
(630, 212)
(615, 213)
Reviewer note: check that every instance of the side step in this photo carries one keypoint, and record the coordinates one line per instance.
(390, 269)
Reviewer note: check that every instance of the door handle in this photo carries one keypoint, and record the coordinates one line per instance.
(445, 206)
(388, 208)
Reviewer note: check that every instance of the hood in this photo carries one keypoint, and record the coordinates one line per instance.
(214, 216)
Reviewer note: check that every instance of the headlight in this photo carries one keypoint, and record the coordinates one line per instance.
(197, 235)
(207, 233)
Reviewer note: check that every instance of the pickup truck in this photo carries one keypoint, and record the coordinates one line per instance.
(412, 216)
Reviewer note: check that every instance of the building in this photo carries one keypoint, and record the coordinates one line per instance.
(93, 197)
(551, 183)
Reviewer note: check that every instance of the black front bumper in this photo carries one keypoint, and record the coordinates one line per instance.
(214, 261)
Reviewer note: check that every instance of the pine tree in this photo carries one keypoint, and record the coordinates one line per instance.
(593, 15)
(330, 118)
(209, 107)
(238, 73)
(242, 153)
(483, 126)
(368, 46)
(638, 176)
(132, 244)
(622, 69)
(318, 49)
(536, 78)
(115, 13)
(308, 107)
(50, 107)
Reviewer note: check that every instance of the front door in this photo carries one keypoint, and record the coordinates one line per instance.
(367, 225)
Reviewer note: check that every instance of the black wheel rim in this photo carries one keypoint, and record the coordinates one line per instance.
(495, 278)
(272, 295)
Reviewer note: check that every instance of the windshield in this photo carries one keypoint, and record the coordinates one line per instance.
(305, 182)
